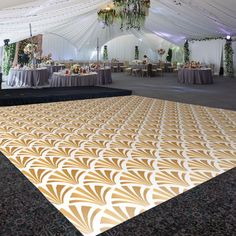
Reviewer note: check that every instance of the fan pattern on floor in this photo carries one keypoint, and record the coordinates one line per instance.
(103, 161)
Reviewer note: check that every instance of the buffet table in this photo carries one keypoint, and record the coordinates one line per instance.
(195, 76)
(63, 80)
(28, 77)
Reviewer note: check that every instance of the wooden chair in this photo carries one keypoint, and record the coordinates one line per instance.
(159, 71)
(154, 70)
(128, 70)
(124, 66)
(115, 68)
(144, 71)
(136, 71)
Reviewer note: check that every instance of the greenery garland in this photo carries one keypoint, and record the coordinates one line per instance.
(105, 53)
(136, 55)
(186, 52)
(206, 39)
(229, 58)
(8, 57)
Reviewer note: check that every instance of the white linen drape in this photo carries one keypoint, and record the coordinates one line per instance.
(60, 48)
(207, 52)
(123, 47)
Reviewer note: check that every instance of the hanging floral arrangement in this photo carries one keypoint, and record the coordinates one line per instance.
(186, 52)
(128, 13)
(105, 53)
(136, 54)
(229, 58)
(107, 16)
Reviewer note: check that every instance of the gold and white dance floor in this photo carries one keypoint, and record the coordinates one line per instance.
(101, 162)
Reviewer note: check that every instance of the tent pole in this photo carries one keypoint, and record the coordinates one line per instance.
(97, 50)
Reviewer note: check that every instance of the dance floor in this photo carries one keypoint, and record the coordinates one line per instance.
(103, 161)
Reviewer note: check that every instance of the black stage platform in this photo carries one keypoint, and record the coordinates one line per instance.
(11, 97)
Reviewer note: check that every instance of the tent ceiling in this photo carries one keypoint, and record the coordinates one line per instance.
(76, 20)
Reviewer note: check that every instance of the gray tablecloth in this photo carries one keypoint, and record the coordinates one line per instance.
(104, 76)
(28, 78)
(195, 76)
(61, 80)
(55, 68)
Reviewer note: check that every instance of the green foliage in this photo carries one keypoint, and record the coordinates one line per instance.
(229, 58)
(206, 39)
(106, 16)
(8, 57)
(136, 54)
(169, 56)
(105, 53)
(186, 52)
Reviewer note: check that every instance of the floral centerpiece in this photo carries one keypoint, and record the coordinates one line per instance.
(192, 64)
(49, 62)
(75, 69)
(95, 66)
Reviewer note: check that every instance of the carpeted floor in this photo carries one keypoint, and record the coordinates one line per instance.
(101, 162)
(221, 94)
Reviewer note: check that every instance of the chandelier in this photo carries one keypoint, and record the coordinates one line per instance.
(128, 13)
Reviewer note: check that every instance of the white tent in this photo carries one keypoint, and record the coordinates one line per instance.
(76, 20)
(74, 24)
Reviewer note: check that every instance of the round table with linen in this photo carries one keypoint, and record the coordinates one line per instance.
(63, 80)
(28, 77)
(195, 76)
(104, 76)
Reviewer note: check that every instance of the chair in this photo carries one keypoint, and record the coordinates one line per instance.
(115, 68)
(124, 66)
(154, 70)
(136, 71)
(212, 66)
(128, 70)
(144, 71)
(159, 70)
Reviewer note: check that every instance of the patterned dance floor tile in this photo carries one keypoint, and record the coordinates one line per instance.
(101, 162)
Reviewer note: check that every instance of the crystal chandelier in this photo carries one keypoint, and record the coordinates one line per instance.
(128, 13)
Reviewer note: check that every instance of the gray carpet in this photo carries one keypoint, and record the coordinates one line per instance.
(221, 94)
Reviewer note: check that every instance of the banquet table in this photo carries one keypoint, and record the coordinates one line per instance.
(62, 80)
(28, 77)
(54, 68)
(104, 76)
(195, 76)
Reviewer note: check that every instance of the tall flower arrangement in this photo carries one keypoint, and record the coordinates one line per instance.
(186, 52)
(136, 53)
(229, 58)
(105, 53)
(161, 52)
